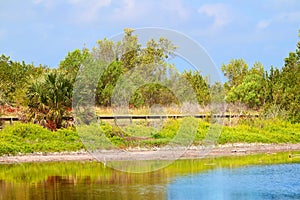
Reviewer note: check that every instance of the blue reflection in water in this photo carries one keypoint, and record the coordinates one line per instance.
(254, 182)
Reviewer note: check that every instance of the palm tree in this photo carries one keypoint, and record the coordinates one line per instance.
(51, 99)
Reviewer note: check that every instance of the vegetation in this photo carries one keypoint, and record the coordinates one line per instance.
(15, 78)
(272, 92)
(29, 138)
(50, 99)
(46, 96)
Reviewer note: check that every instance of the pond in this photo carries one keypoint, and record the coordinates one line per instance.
(255, 182)
(262, 176)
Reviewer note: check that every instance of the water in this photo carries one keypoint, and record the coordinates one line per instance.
(250, 177)
(256, 182)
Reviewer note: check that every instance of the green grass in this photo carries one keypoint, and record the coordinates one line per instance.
(29, 138)
(261, 131)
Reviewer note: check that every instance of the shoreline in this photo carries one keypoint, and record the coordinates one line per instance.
(194, 152)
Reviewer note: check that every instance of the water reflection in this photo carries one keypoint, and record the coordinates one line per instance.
(92, 180)
(255, 182)
(56, 187)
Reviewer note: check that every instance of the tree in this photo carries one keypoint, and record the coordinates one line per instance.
(15, 78)
(50, 99)
(273, 86)
(107, 82)
(199, 86)
(155, 93)
(235, 72)
(217, 93)
(157, 51)
(72, 62)
(130, 49)
(128, 57)
(282, 88)
(251, 90)
(291, 80)
(245, 86)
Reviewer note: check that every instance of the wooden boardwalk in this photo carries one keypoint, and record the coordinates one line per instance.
(131, 118)
(174, 116)
(9, 119)
(200, 116)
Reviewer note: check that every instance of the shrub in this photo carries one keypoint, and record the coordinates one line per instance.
(29, 138)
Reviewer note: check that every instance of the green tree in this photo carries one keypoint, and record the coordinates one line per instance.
(50, 98)
(129, 49)
(251, 90)
(291, 80)
(15, 78)
(107, 82)
(273, 86)
(157, 51)
(156, 93)
(217, 93)
(235, 73)
(282, 88)
(199, 86)
(128, 57)
(72, 62)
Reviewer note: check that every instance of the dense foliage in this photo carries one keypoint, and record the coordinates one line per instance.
(15, 78)
(47, 93)
(30, 138)
(274, 92)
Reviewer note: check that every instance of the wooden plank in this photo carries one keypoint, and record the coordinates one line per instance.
(201, 116)
(9, 119)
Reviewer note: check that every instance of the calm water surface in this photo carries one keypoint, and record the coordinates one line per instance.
(250, 177)
(255, 182)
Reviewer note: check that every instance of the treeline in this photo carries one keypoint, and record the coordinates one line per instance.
(46, 94)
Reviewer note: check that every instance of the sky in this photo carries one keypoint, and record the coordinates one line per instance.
(44, 31)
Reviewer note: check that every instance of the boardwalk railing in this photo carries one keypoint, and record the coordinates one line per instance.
(201, 116)
(9, 119)
(148, 117)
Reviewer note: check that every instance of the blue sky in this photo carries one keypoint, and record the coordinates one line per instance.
(44, 31)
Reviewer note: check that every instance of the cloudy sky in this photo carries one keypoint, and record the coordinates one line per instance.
(44, 31)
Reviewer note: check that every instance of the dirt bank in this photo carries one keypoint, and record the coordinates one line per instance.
(151, 154)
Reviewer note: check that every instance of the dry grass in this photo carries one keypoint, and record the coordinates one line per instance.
(154, 110)
(6, 110)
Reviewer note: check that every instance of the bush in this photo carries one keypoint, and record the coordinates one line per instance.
(29, 138)
(261, 131)
(169, 130)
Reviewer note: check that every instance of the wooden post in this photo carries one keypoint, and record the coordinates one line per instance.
(230, 118)
(115, 120)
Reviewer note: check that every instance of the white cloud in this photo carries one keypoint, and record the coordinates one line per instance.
(290, 17)
(263, 24)
(176, 7)
(90, 3)
(220, 13)
(37, 1)
(88, 11)
(149, 12)
(128, 10)
(49, 5)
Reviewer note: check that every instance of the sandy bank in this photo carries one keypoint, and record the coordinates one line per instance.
(147, 154)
